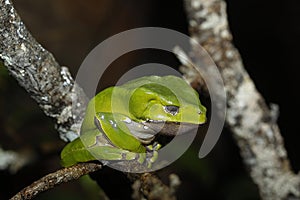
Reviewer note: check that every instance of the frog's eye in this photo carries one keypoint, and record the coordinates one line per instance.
(173, 110)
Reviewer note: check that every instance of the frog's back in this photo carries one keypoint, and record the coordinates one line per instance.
(176, 85)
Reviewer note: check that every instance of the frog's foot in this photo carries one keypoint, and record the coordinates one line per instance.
(152, 153)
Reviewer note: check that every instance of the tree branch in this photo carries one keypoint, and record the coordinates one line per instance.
(54, 179)
(252, 123)
(50, 85)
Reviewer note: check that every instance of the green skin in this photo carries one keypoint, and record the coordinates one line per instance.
(119, 121)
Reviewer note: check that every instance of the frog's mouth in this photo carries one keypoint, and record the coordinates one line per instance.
(148, 130)
(170, 128)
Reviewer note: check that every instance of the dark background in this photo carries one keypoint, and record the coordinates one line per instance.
(265, 32)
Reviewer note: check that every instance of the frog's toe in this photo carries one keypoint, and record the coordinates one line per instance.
(154, 157)
(156, 146)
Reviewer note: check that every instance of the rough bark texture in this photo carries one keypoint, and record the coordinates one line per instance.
(252, 123)
(50, 85)
(54, 179)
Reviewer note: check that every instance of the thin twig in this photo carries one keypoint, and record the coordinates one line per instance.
(54, 179)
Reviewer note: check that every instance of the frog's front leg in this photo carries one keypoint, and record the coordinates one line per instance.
(152, 153)
(128, 134)
(124, 132)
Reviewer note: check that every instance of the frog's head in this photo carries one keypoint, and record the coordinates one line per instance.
(167, 99)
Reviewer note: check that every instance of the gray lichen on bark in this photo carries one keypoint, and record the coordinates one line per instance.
(248, 117)
(35, 69)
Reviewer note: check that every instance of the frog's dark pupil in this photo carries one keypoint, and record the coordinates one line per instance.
(173, 110)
